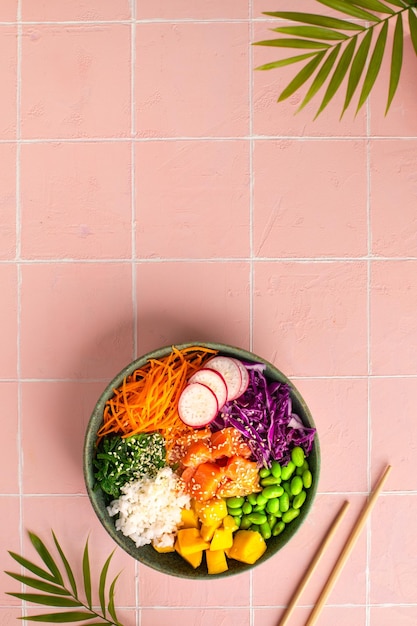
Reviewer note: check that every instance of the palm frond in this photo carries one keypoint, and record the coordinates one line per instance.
(359, 44)
(338, 75)
(357, 67)
(302, 76)
(412, 22)
(396, 59)
(87, 575)
(374, 65)
(55, 592)
(321, 76)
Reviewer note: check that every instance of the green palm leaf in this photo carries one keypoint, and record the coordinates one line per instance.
(292, 43)
(102, 584)
(301, 77)
(284, 62)
(339, 74)
(373, 5)
(357, 68)
(360, 57)
(46, 557)
(38, 571)
(87, 575)
(374, 65)
(396, 60)
(56, 594)
(61, 618)
(35, 583)
(321, 76)
(38, 598)
(67, 566)
(397, 3)
(318, 20)
(311, 32)
(111, 607)
(412, 22)
(349, 9)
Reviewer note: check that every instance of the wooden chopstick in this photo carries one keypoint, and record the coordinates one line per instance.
(347, 548)
(314, 563)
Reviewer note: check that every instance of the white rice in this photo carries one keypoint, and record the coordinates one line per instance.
(150, 509)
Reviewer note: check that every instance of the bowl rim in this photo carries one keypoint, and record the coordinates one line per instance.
(163, 562)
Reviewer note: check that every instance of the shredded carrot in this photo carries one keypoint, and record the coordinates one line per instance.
(147, 400)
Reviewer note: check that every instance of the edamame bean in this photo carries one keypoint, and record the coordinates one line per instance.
(235, 512)
(287, 470)
(272, 520)
(270, 480)
(299, 471)
(251, 498)
(245, 522)
(247, 508)
(235, 502)
(307, 479)
(290, 515)
(274, 491)
(299, 500)
(296, 485)
(284, 502)
(254, 527)
(278, 528)
(258, 508)
(261, 500)
(287, 487)
(265, 530)
(272, 506)
(257, 518)
(276, 469)
(263, 472)
(238, 521)
(297, 456)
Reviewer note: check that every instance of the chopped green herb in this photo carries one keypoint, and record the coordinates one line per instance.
(118, 460)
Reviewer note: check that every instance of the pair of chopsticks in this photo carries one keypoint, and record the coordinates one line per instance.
(350, 542)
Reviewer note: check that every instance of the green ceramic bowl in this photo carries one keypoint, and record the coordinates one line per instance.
(172, 563)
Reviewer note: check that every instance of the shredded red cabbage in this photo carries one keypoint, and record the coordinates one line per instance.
(263, 414)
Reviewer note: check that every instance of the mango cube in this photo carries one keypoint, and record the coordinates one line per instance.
(222, 539)
(248, 546)
(207, 530)
(230, 523)
(189, 519)
(190, 541)
(216, 561)
(194, 559)
(211, 511)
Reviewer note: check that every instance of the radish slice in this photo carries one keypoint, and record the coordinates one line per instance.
(197, 405)
(214, 381)
(245, 377)
(230, 371)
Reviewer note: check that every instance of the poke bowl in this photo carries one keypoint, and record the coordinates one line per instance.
(201, 460)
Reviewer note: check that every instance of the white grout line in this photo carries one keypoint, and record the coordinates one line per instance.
(218, 259)
(251, 239)
(133, 180)
(19, 279)
(156, 20)
(138, 614)
(293, 377)
(251, 181)
(196, 138)
(369, 360)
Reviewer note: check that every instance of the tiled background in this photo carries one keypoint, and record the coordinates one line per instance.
(152, 191)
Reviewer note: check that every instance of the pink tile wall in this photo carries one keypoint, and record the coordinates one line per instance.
(152, 191)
